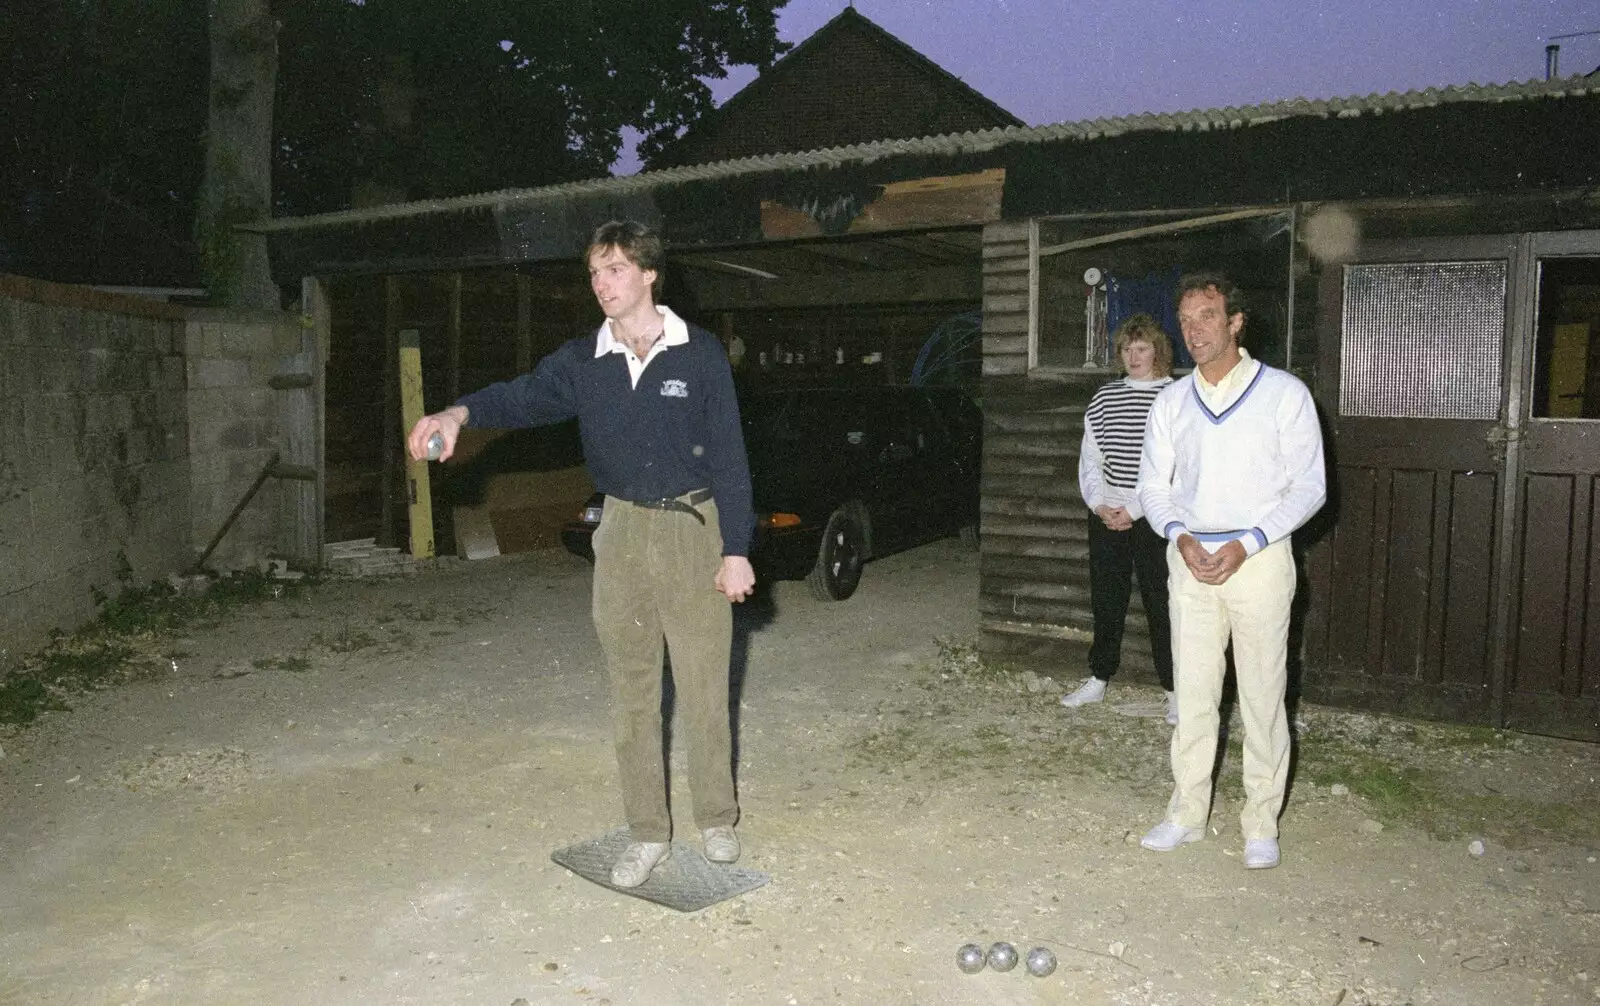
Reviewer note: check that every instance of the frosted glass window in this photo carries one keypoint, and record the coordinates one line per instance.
(1423, 340)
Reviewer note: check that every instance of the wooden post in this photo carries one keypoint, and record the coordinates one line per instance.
(453, 374)
(411, 410)
(524, 323)
(390, 462)
(1033, 295)
(304, 426)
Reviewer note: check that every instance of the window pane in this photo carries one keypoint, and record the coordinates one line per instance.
(1423, 340)
(1566, 374)
(1086, 292)
(1064, 302)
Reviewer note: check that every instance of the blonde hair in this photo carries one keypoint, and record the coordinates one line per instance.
(1143, 328)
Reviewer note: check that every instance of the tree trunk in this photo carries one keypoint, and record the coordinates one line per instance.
(237, 187)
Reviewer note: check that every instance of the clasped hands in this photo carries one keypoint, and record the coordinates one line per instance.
(1115, 518)
(1211, 567)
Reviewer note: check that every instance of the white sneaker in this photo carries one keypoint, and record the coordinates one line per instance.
(1167, 836)
(1092, 690)
(1172, 709)
(637, 860)
(1261, 854)
(721, 844)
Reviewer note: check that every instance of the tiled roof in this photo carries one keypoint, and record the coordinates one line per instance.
(1199, 120)
(854, 18)
(812, 96)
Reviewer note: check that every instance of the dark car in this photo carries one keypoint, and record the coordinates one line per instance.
(843, 475)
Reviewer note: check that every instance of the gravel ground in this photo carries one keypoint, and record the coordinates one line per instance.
(350, 796)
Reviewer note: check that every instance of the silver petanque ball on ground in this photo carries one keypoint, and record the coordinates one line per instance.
(970, 959)
(435, 446)
(1002, 956)
(1041, 962)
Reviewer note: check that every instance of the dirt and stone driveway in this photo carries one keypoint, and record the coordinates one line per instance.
(350, 795)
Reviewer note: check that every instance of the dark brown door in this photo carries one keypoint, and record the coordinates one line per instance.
(1404, 570)
(1458, 570)
(1552, 670)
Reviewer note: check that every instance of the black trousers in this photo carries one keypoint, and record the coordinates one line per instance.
(1113, 558)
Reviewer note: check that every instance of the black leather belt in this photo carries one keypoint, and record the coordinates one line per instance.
(682, 504)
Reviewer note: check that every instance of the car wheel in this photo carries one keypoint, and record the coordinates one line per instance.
(839, 558)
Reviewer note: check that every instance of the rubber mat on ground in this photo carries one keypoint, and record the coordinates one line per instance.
(687, 881)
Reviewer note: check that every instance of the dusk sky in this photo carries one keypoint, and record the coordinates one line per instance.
(1063, 60)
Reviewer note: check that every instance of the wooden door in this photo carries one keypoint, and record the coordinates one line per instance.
(1404, 580)
(1552, 673)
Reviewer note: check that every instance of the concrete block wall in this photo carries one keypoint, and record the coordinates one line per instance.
(128, 429)
(228, 359)
(94, 452)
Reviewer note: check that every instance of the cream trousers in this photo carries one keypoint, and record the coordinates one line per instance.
(1251, 608)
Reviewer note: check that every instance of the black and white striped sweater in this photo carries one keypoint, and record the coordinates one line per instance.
(1113, 436)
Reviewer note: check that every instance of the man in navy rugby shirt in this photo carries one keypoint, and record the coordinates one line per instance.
(656, 411)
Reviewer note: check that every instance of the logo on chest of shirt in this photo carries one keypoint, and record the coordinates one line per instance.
(675, 388)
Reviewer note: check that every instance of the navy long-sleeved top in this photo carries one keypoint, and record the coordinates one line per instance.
(676, 432)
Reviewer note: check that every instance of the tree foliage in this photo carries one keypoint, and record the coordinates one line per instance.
(446, 98)
(103, 106)
(106, 99)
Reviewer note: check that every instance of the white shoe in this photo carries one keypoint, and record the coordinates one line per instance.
(721, 844)
(637, 860)
(1172, 709)
(1167, 836)
(1261, 854)
(1092, 690)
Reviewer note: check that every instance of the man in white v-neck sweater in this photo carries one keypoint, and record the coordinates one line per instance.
(1232, 464)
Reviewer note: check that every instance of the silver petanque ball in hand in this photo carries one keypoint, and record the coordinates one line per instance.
(435, 446)
(1002, 957)
(1041, 962)
(970, 959)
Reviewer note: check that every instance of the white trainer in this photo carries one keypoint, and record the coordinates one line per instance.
(721, 844)
(1167, 836)
(1261, 854)
(637, 860)
(1092, 690)
(1172, 709)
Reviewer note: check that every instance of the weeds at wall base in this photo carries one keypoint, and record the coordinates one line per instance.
(125, 640)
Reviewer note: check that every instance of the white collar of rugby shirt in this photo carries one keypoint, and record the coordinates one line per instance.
(674, 332)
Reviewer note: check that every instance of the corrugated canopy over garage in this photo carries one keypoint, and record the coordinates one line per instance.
(1415, 145)
(832, 254)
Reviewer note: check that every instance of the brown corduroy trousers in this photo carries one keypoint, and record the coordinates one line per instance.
(653, 584)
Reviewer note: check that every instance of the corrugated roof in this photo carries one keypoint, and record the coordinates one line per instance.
(1198, 120)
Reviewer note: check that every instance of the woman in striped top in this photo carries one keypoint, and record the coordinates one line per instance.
(1120, 541)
